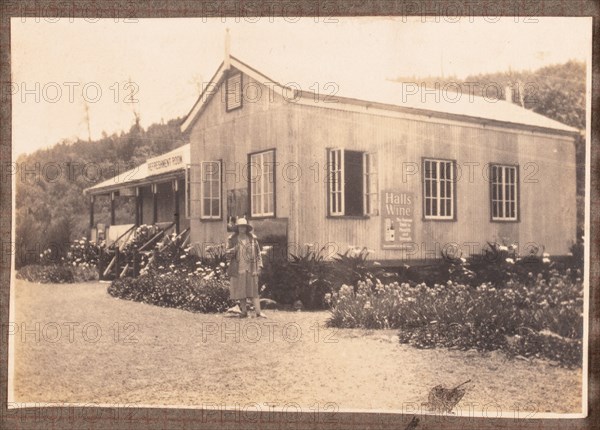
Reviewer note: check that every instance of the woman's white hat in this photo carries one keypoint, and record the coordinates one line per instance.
(242, 221)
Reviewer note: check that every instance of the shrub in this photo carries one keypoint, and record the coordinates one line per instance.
(57, 273)
(351, 267)
(187, 291)
(497, 265)
(305, 277)
(84, 273)
(216, 261)
(79, 265)
(46, 274)
(483, 317)
(84, 253)
(309, 277)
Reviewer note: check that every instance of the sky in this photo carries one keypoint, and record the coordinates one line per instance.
(61, 69)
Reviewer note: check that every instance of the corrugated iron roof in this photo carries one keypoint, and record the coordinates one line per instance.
(402, 94)
(143, 172)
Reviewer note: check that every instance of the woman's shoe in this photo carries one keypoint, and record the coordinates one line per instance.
(261, 315)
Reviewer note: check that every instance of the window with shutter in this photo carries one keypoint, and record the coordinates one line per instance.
(352, 183)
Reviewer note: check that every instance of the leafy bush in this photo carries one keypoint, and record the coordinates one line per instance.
(175, 257)
(84, 273)
(484, 317)
(79, 265)
(84, 253)
(216, 261)
(305, 277)
(187, 291)
(46, 274)
(57, 273)
(497, 264)
(309, 277)
(351, 267)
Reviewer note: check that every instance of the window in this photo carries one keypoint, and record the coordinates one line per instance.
(352, 183)
(504, 192)
(438, 189)
(210, 190)
(262, 184)
(233, 92)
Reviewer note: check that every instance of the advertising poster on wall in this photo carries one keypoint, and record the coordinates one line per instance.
(397, 218)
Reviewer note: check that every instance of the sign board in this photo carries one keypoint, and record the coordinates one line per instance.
(164, 163)
(397, 219)
(127, 192)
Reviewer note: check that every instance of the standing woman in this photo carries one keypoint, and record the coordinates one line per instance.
(244, 267)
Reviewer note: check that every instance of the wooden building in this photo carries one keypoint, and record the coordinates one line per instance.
(370, 166)
(407, 174)
(158, 187)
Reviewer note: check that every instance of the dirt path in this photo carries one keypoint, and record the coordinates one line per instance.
(75, 343)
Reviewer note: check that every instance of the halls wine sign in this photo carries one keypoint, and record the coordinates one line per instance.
(397, 218)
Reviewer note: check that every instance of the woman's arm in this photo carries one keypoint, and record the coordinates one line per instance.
(258, 255)
(231, 245)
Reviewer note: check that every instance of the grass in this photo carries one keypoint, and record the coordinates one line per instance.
(172, 363)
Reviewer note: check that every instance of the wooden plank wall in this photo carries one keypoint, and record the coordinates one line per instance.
(302, 133)
(230, 136)
(547, 186)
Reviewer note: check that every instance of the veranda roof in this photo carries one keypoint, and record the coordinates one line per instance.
(172, 163)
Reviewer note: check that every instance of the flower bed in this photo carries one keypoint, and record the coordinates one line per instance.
(191, 291)
(542, 318)
(80, 265)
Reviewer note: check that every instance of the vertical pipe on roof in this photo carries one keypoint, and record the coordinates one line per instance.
(226, 60)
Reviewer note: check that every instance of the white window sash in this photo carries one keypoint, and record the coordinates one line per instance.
(262, 190)
(208, 182)
(438, 182)
(336, 181)
(370, 184)
(503, 203)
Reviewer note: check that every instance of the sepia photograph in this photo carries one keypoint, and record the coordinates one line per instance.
(311, 216)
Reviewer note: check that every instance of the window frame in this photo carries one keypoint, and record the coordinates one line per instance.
(453, 182)
(341, 174)
(517, 192)
(340, 212)
(204, 217)
(252, 184)
(370, 207)
(227, 79)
